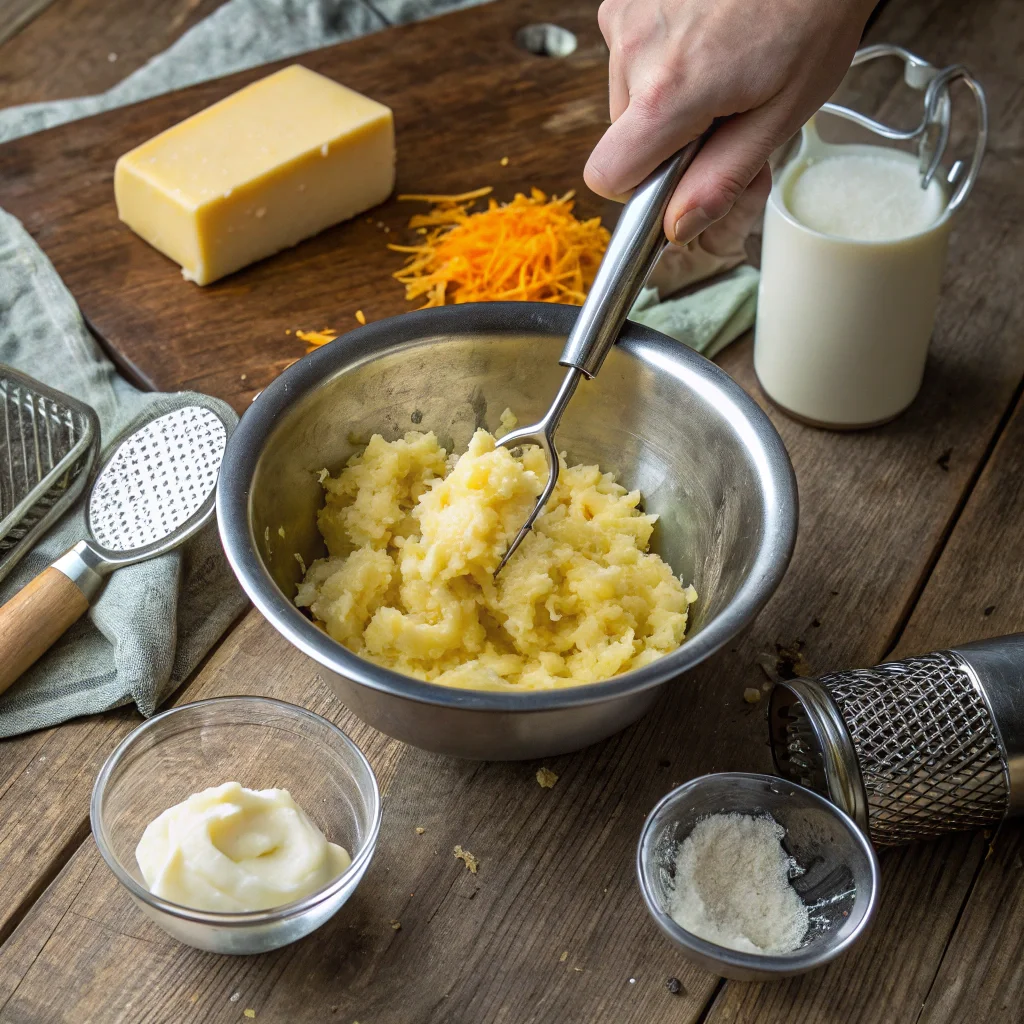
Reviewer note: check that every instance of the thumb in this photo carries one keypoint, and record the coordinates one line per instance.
(721, 172)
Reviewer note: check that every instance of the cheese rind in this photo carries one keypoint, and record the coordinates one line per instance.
(270, 165)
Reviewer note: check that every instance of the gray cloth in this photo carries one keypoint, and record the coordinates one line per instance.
(152, 622)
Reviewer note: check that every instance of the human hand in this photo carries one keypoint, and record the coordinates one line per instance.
(760, 67)
(717, 249)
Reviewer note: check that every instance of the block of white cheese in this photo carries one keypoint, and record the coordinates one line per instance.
(270, 165)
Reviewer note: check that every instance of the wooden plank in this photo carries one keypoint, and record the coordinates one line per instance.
(16, 14)
(924, 888)
(482, 958)
(981, 977)
(489, 948)
(45, 803)
(982, 563)
(981, 974)
(487, 97)
(63, 47)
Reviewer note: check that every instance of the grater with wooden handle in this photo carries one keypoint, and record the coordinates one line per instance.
(155, 490)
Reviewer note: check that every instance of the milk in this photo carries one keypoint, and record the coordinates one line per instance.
(852, 259)
(864, 196)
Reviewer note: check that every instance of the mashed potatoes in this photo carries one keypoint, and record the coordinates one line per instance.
(414, 538)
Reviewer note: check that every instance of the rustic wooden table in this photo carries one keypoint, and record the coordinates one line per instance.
(910, 539)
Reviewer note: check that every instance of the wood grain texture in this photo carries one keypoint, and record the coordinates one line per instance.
(16, 14)
(556, 866)
(44, 803)
(981, 977)
(488, 948)
(64, 49)
(34, 619)
(484, 95)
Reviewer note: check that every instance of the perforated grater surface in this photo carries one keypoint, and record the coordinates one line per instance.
(911, 749)
(48, 444)
(157, 479)
(155, 490)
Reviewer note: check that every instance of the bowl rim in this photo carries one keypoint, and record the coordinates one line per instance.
(218, 917)
(364, 344)
(766, 965)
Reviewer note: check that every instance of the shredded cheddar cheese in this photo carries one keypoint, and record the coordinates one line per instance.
(314, 339)
(532, 249)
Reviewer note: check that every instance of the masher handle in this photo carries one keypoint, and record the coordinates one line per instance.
(35, 619)
(634, 248)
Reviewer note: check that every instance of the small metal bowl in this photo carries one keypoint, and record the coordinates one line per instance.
(839, 884)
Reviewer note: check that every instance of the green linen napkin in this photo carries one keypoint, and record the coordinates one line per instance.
(708, 319)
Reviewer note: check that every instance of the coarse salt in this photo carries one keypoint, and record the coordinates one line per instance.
(732, 885)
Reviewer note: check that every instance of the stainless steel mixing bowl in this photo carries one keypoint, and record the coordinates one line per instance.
(664, 419)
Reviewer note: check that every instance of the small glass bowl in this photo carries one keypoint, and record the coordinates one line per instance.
(262, 744)
(839, 885)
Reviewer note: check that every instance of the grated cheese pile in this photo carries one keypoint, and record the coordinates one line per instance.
(530, 249)
(732, 885)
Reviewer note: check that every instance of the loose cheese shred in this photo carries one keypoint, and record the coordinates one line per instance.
(532, 248)
(314, 339)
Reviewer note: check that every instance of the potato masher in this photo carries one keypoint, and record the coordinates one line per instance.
(633, 250)
(155, 490)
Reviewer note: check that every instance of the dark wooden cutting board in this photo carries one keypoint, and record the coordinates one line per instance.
(464, 94)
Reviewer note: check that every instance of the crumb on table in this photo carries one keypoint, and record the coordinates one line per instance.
(467, 858)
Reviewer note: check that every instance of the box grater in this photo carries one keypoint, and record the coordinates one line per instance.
(911, 749)
(48, 444)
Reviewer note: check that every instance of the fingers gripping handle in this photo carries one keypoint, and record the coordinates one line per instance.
(34, 619)
(632, 252)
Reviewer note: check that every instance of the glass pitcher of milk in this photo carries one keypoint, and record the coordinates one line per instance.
(854, 246)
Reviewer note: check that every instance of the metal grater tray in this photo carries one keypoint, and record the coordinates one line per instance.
(48, 445)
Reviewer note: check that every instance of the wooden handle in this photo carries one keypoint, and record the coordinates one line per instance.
(34, 619)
